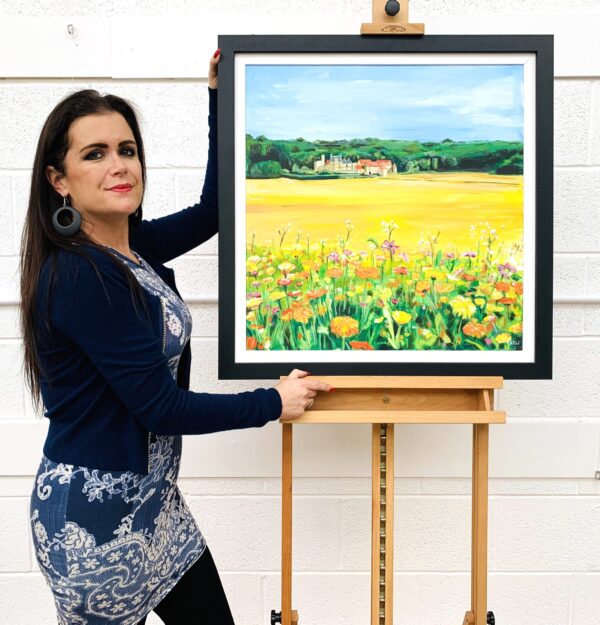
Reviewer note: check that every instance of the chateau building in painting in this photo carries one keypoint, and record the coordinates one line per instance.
(364, 166)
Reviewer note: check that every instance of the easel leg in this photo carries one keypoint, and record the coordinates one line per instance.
(286, 525)
(479, 523)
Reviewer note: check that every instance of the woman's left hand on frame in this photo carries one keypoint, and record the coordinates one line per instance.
(213, 81)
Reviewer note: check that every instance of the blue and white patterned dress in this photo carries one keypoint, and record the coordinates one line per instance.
(112, 544)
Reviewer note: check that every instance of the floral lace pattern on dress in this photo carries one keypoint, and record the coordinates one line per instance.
(112, 544)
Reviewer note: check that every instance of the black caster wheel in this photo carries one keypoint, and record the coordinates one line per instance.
(490, 619)
(275, 617)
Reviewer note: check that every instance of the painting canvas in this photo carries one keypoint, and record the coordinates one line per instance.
(385, 210)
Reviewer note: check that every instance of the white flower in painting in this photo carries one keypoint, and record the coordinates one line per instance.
(174, 324)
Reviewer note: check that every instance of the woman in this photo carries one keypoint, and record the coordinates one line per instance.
(106, 338)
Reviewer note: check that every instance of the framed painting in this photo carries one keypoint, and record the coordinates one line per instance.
(385, 205)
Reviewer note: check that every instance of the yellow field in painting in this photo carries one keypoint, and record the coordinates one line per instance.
(418, 203)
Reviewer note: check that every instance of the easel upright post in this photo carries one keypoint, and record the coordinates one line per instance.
(286, 525)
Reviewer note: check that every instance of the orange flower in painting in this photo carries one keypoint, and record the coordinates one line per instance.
(517, 287)
(344, 326)
(251, 342)
(401, 270)
(422, 285)
(334, 272)
(361, 345)
(316, 293)
(468, 277)
(490, 321)
(367, 272)
(507, 300)
(443, 287)
(298, 312)
(502, 286)
(476, 330)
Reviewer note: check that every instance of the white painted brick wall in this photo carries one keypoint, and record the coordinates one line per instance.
(544, 532)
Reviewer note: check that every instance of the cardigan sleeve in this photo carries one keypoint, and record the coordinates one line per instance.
(171, 236)
(120, 342)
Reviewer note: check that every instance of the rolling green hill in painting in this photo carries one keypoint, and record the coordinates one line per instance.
(267, 158)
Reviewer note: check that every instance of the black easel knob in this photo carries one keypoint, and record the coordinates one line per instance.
(275, 617)
(392, 7)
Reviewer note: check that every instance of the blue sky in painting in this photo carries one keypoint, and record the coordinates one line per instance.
(414, 102)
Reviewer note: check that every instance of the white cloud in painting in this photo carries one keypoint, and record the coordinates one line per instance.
(426, 102)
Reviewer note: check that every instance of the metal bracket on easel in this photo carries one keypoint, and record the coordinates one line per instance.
(390, 17)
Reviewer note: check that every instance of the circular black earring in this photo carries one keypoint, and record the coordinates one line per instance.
(66, 220)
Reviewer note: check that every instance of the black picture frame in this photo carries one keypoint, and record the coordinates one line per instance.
(540, 45)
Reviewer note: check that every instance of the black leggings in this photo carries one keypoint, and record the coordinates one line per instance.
(197, 598)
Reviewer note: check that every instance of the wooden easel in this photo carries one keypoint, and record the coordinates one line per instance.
(384, 401)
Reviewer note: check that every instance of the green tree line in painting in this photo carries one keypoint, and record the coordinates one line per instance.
(266, 158)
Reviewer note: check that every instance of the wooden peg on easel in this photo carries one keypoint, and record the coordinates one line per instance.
(390, 17)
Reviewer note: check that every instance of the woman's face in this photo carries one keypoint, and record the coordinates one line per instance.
(102, 154)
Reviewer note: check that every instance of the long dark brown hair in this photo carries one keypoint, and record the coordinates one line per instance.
(39, 240)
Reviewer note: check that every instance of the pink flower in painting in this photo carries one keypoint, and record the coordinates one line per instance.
(507, 269)
(389, 245)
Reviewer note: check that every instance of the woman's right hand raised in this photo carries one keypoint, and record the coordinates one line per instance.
(297, 392)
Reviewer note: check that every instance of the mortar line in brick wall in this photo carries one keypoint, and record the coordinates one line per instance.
(20, 574)
(549, 419)
(16, 497)
(457, 496)
(454, 573)
(598, 461)
(575, 254)
(53, 80)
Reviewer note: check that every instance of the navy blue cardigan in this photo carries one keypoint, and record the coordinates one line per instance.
(110, 382)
